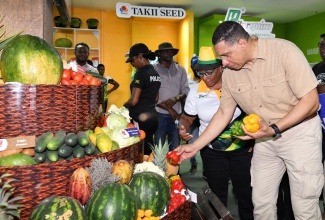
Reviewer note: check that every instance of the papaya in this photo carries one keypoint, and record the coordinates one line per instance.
(80, 185)
(104, 143)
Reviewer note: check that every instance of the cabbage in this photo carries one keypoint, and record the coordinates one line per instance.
(116, 121)
(123, 142)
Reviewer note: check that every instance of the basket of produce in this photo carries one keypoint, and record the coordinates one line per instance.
(34, 98)
(36, 182)
(78, 171)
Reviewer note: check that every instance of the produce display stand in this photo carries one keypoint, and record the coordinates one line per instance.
(31, 110)
(37, 182)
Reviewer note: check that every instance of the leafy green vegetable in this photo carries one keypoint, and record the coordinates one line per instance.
(236, 129)
(123, 142)
(116, 121)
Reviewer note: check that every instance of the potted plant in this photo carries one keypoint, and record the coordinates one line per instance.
(92, 23)
(75, 22)
(60, 22)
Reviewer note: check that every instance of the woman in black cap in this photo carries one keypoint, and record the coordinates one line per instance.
(144, 92)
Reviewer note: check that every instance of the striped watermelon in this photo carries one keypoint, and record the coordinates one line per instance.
(58, 207)
(111, 202)
(152, 192)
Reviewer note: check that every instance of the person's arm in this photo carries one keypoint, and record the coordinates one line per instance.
(170, 110)
(217, 124)
(184, 124)
(115, 86)
(306, 107)
(134, 99)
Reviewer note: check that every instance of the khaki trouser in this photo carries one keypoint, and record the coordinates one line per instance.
(298, 151)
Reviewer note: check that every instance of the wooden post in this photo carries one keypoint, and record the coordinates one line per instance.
(35, 17)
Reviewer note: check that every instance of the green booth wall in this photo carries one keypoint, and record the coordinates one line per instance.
(305, 33)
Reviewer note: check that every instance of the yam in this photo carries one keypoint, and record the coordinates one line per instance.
(28, 151)
(10, 152)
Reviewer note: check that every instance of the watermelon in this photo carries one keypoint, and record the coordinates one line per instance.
(111, 202)
(152, 192)
(30, 60)
(58, 207)
(63, 42)
(18, 159)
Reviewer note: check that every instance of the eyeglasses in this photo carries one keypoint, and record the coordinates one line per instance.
(205, 73)
(321, 45)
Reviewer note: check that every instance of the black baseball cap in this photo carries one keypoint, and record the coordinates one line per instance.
(137, 49)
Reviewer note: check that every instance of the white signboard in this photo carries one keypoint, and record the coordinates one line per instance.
(126, 10)
(260, 28)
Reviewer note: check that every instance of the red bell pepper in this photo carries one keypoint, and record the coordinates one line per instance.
(172, 158)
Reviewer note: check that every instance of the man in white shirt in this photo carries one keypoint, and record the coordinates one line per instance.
(82, 52)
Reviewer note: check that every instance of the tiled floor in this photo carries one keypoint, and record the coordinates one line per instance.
(196, 182)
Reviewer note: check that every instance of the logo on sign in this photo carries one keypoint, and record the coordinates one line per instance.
(259, 28)
(125, 10)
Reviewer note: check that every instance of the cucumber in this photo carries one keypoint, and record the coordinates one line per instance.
(97, 151)
(52, 155)
(40, 157)
(42, 141)
(83, 138)
(71, 139)
(69, 158)
(78, 151)
(57, 141)
(98, 76)
(90, 149)
(65, 151)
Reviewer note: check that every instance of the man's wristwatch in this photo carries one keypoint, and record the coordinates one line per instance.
(177, 98)
(277, 132)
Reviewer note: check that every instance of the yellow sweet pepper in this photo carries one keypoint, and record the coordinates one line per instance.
(251, 123)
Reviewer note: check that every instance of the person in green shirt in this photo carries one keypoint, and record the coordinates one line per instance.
(101, 70)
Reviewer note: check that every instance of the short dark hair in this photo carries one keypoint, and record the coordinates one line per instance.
(230, 32)
(81, 44)
(100, 65)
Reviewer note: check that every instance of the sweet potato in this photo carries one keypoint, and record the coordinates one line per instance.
(29, 151)
(10, 152)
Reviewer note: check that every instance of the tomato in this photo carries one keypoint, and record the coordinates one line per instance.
(66, 74)
(78, 77)
(74, 82)
(73, 73)
(88, 77)
(172, 157)
(99, 82)
(84, 82)
(93, 81)
(65, 82)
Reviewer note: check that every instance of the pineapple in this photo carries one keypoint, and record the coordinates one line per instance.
(160, 152)
(8, 210)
